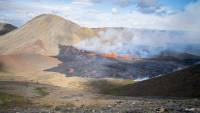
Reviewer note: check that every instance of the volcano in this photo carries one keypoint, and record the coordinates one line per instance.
(84, 63)
(42, 35)
(48, 43)
(53, 63)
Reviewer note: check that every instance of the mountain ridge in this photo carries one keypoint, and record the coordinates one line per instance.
(42, 35)
(6, 28)
(182, 83)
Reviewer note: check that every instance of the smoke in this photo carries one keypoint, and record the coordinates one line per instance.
(142, 43)
(141, 79)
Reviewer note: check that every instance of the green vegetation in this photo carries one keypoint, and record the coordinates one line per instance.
(69, 104)
(42, 91)
(8, 100)
(106, 86)
(2, 68)
(182, 83)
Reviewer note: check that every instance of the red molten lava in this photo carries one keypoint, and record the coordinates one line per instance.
(110, 55)
(113, 55)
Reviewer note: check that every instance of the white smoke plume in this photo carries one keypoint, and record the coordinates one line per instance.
(142, 43)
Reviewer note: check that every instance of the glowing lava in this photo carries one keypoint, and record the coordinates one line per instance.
(111, 55)
(114, 55)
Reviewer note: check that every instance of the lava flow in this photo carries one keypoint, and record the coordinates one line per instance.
(114, 55)
(111, 55)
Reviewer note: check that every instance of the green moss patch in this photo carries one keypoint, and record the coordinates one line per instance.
(8, 100)
(42, 91)
(106, 86)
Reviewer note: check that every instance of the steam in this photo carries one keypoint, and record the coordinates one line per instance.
(142, 43)
(141, 79)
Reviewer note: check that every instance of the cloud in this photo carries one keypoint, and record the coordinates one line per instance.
(17, 13)
(144, 6)
(124, 3)
(83, 12)
(142, 43)
(114, 10)
(147, 3)
(153, 7)
(188, 19)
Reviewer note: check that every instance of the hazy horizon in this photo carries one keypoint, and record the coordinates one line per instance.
(179, 15)
(150, 26)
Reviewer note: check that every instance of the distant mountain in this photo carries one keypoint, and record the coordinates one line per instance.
(176, 55)
(5, 28)
(183, 83)
(45, 44)
(42, 35)
(185, 58)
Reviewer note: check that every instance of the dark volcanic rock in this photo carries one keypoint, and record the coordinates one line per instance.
(184, 58)
(5, 28)
(144, 105)
(182, 83)
(88, 64)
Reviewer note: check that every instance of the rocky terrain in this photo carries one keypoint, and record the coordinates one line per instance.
(128, 105)
(183, 83)
(30, 96)
(43, 70)
(45, 43)
(89, 64)
(23, 95)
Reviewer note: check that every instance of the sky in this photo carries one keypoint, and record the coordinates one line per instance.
(181, 15)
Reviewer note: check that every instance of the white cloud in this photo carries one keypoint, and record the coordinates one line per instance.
(186, 20)
(143, 43)
(124, 3)
(83, 13)
(114, 10)
(147, 2)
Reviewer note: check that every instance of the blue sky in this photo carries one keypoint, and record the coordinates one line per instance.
(148, 14)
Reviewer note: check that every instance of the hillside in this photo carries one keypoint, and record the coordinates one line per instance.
(183, 83)
(23, 63)
(5, 28)
(42, 45)
(185, 58)
(42, 35)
